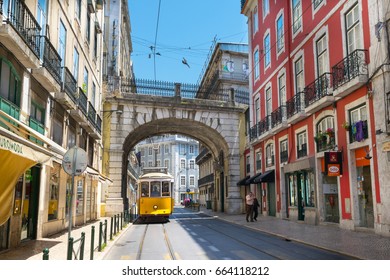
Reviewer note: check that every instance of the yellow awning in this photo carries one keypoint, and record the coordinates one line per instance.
(15, 159)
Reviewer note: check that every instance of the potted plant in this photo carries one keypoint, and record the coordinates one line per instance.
(346, 126)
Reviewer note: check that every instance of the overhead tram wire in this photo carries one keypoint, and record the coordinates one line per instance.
(155, 39)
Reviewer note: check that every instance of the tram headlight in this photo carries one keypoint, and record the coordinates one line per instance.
(155, 207)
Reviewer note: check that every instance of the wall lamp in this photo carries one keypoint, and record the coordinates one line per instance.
(119, 112)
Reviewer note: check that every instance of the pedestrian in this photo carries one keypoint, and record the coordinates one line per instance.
(249, 206)
(255, 208)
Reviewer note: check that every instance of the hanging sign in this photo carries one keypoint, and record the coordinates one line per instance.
(333, 163)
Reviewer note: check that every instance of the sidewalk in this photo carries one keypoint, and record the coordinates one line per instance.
(360, 244)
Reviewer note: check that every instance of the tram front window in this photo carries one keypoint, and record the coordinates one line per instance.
(145, 189)
(156, 189)
(165, 189)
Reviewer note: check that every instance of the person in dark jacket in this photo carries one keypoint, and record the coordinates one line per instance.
(255, 208)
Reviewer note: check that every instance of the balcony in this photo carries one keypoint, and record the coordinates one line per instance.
(80, 112)
(279, 119)
(350, 73)
(9, 108)
(99, 124)
(318, 94)
(296, 108)
(302, 151)
(49, 75)
(283, 156)
(19, 32)
(325, 141)
(68, 95)
(37, 126)
(243, 4)
(208, 179)
(358, 131)
(93, 128)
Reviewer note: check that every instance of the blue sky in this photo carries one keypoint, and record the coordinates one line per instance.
(186, 29)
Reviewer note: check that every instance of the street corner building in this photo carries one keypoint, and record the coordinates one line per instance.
(318, 122)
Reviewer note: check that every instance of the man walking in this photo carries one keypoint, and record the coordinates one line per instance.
(249, 206)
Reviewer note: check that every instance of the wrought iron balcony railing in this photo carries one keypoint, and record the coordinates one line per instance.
(325, 143)
(82, 101)
(99, 123)
(17, 14)
(51, 59)
(243, 3)
(208, 179)
(283, 156)
(69, 84)
(295, 105)
(318, 89)
(302, 151)
(278, 116)
(91, 113)
(350, 67)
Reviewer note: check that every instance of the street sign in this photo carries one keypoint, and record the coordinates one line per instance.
(75, 161)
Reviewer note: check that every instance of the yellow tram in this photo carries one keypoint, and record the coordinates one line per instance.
(155, 193)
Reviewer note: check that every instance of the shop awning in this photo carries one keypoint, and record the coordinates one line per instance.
(268, 176)
(15, 159)
(242, 182)
(252, 179)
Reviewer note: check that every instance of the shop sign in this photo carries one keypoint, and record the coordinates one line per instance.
(10, 145)
(333, 163)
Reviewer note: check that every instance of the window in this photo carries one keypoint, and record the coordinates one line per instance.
(258, 160)
(297, 15)
(182, 163)
(282, 89)
(88, 27)
(255, 20)
(150, 164)
(192, 181)
(257, 116)
(359, 126)
(265, 8)
(267, 51)
(269, 152)
(182, 149)
(54, 191)
(352, 28)
(248, 164)
(85, 81)
(316, 3)
(62, 43)
(192, 164)
(268, 101)
(10, 84)
(183, 181)
(302, 144)
(150, 151)
(57, 133)
(256, 64)
(93, 97)
(80, 197)
(322, 56)
(280, 33)
(166, 163)
(325, 134)
(145, 189)
(299, 82)
(76, 64)
(78, 10)
(166, 148)
(283, 151)
(191, 149)
(95, 45)
(71, 137)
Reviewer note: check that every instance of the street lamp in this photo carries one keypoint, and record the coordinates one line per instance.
(119, 112)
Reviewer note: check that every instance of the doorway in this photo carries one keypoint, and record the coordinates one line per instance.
(271, 199)
(365, 201)
(30, 204)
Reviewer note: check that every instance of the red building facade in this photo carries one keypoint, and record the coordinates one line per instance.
(311, 119)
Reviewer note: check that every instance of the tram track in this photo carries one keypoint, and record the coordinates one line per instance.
(141, 247)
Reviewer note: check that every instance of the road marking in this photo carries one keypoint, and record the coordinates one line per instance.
(212, 248)
(201, 239)
(125, 257)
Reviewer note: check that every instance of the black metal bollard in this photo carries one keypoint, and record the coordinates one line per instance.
(82, 245)
(100, 236)
(70, 248)
(121, 221)
(45, 256)
(111, 224)
(114, 224)
(105, 232)
(92, 242)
